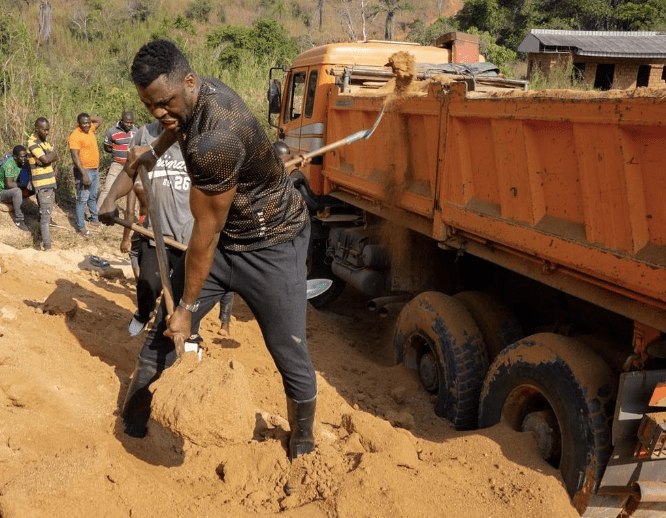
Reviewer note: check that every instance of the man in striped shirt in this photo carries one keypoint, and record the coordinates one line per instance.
(116, 142)
(42, 159)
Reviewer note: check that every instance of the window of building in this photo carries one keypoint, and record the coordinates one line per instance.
(643, 77)
(605, 75)
(663, 74)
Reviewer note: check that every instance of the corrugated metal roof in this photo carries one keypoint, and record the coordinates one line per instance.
(643, 44)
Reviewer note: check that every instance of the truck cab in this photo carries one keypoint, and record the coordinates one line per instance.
(301, 109)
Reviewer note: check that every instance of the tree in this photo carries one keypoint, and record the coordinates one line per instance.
(266, 39)
(351, 12)
(390, 7)
(320, 11)
(642, 15)
(425, 35)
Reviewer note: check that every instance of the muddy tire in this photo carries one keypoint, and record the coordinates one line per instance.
(436, 336)
(498, 325)
(560, 383)
(318, 269)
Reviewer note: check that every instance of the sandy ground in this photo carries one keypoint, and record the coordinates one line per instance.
(65, 363)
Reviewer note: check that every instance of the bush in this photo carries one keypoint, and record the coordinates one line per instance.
(169, 26)
(503, 57)
(419, 33)
(266, 38)
(199, 10)
(563, 76)
(140, 10)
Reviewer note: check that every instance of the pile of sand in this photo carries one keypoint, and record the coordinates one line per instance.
(217, 446)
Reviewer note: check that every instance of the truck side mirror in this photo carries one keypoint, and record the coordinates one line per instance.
(274, 96)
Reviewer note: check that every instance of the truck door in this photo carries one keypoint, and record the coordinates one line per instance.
(302, 132)
(293, 110)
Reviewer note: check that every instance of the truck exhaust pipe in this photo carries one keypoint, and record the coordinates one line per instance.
(381, 302)
(649, 491)
(391, 309)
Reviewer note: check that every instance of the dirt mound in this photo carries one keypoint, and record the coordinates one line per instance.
(207, 403)
(218, 444)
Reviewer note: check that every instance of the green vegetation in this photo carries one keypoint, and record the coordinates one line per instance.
(266, 41)
(84, 66)
(59, 58)
(559, 77)
(510, 20)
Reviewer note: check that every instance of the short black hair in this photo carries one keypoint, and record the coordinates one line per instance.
(18, 149)
(156, 58)
(41, 120)
(81, 116)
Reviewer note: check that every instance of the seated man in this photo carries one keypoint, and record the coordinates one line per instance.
(9, 189)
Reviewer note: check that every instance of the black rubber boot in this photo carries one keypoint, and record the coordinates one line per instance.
(136, 410)
(301, 421)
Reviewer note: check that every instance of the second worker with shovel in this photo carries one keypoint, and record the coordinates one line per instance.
(250, 235)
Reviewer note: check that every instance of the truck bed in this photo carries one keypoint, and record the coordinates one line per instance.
(569, 182)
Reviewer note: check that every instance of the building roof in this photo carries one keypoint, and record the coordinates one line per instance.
(642, 44)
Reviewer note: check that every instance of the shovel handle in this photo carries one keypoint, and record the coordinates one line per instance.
(162, 260)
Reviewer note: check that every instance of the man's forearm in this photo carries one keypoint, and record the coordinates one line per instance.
(129, 211)
(77, 162)
(164, 142)
(121, 186)
(198, 261)
(48, 158)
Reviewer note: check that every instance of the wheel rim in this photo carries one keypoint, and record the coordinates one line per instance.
(428, 372)
(426, 362)
(527, 409)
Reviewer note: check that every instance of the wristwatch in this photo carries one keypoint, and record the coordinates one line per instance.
(189, 307)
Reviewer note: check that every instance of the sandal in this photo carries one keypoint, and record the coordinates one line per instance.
(99, 262)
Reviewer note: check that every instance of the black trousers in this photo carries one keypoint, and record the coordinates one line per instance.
(149, 284)
(272, 282)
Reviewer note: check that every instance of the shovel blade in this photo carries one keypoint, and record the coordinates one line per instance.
(318, 286)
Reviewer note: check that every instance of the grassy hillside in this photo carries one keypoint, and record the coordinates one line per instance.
(62, 57)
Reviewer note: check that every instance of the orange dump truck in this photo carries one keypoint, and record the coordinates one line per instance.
(519, 237)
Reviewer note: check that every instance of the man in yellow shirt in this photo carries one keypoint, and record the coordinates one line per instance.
(42, 159)
(85, 155)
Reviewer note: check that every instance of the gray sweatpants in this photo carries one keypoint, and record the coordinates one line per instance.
(272, 282)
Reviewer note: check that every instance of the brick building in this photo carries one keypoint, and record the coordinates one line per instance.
(602, 59)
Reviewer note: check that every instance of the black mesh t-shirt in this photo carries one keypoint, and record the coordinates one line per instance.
(225, 146)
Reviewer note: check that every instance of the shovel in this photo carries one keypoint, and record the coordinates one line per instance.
(315, 287)
(162, 260)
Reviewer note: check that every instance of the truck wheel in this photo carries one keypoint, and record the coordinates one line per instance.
(318, 269)
(437, 336)
(562, 392)
(496, 322)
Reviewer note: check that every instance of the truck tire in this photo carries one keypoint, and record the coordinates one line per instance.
(562, 391)
(437, 336)
(496, 322)
(318, 269)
